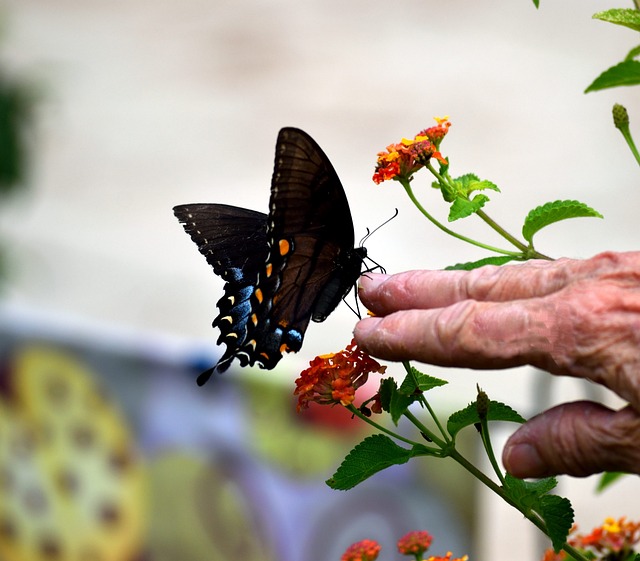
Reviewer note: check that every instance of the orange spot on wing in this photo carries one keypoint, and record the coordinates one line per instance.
(284, 247)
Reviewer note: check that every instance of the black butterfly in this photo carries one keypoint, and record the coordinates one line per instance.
(281, 269)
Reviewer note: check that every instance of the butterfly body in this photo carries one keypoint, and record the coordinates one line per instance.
(283, 269)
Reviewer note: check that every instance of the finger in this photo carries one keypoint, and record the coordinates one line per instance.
(384, 294)
(577, 439)
(469, 334)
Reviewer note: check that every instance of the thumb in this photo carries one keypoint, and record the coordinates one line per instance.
(578, 439)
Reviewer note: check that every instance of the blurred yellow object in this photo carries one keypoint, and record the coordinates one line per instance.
(71, 482)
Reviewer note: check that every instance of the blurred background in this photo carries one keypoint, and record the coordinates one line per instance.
(125, 109)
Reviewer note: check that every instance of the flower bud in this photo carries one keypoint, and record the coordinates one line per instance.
(620, 116)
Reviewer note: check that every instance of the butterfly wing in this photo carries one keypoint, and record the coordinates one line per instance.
(228, 236)
(310, 238)
(284, 269)
(234, 242)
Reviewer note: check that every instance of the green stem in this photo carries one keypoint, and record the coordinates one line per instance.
(626, 133)
(498, 490)
(355, 411)
(443, 445)
(527, 251)
(425, 402)
(486, 441)
(409, 191)
(532, 254)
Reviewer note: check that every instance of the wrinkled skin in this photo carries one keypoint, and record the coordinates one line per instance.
(569, 317)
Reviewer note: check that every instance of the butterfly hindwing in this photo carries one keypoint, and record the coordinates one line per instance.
(234, 242)
(283, 269)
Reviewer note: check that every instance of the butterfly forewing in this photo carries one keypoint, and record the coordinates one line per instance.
(310, 213)
(284, 269)
(306, 193)
(228, 236)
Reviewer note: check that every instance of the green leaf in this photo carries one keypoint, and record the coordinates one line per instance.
(558, 515)
(536, 3)
(373, 454)
(393, 401)
(396, 400)
(633, 53)
(469, 416)
(607, 479)
(555, 211)
(387, 387)
(626, 73)
(471, 182)
(621, 16)
(526, 494)
(461, 208)
(539, 487)
(534, 495)
(417, 380)
(497, 260)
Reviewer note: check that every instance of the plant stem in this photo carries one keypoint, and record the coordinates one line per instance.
(355, 411)
(509, 237)
(498, 490)
(425, 402)
(409, 191)
(626, 133)
(443, 445)
(486, 441)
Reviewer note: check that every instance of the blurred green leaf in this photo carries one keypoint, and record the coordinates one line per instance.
(626, 73)
(608, 478)
(621, 16)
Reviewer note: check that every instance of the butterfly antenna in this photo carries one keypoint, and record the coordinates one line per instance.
(369, 233)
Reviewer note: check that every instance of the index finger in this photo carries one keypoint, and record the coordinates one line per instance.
(385, 294)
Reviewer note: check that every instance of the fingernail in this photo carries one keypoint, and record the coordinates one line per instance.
(523, 460)
(365, 326)
(369, 281)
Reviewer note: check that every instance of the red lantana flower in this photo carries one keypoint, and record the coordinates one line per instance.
(414, 543)
(334, 378)
(405, 158)
(365, 550)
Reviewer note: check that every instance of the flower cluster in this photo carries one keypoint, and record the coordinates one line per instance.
(334, 378)
(414, 543)
(403, 159)
(613, 540)
(365, 550)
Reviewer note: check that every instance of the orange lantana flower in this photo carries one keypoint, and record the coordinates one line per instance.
(615, 539)
(405, 158)
(334, 378)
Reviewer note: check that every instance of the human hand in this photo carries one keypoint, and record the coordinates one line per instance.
(569, 317)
